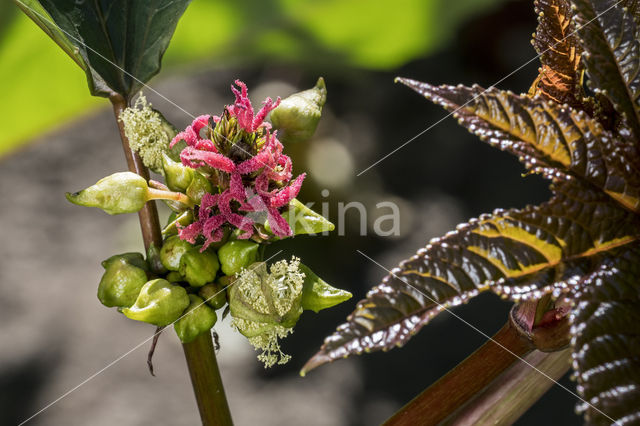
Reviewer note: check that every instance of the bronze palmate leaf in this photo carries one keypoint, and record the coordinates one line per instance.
(583, 244)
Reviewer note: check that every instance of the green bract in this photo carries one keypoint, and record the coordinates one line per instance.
(303, 220)
(199, 268)
(236, 255)
(123, 192)
(215, 295)
(159, 303)
(122, 280)
(298, 115)
(317, 294)
(197, 319)
(177, 177)
(172, 251)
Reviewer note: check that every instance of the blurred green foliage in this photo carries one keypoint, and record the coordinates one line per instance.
(42, 88)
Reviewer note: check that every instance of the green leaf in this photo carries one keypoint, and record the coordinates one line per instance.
(606, 340)
(520, 254)
(557, 141)
(303, 220)
(118, 43)
(317, 294)
(559, 49)
(34, 10)
(608, 35)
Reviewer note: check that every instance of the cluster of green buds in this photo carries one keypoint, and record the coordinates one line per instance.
(231, 193)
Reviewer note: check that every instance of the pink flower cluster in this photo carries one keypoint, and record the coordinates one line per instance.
(271, 164)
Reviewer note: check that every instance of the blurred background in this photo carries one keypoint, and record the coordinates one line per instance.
(55, 137)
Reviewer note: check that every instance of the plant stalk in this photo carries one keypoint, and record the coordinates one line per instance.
(466, 380)
(199, 354)
(206, 380)
(514, 391)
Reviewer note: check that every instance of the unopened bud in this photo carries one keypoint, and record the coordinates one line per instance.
(172, 251)
(236, 255)
(122, 280)
(298, 115)
(317, 294)
(215, 294)
(199, 186)
(123, 192)
(199, 268)
(197, 319)
(159, 303)
(176, 176)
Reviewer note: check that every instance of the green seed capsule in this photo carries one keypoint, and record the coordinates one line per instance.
(172, 251)
(123, 192)
(159, 303)
(122, 281)
(215, 294)
(236, 255)
(177, 176)
(199, 186)
(199, 268)
(317, 294)
(298, 115)
(197, 319)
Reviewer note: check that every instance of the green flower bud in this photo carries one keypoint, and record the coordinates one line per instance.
(176, 176)
(237, 254)
(197, 319)
(172, 251)
(199, 268)
(136, 259)
(303, 220)
(123, 192)
(215, 294)
(153, 259)
(298, 115)
(266, 305)
(174, 277)
(159, 303)
(317, 294)
(122, 280)
(199, 186)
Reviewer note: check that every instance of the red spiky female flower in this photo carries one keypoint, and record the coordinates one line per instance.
(246, 163)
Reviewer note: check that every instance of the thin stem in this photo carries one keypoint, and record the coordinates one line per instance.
(158, 194)
(200, 357)
(463, 382)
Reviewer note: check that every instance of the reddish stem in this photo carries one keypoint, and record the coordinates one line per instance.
(463, 382)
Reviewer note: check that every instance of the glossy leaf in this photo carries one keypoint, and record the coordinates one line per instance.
(118, 43)
(606, 340)
(545, 134)
(559, 50)
(608, 35)
(520, 254)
